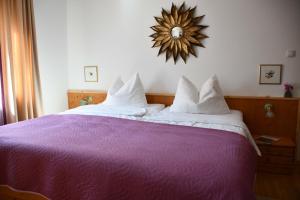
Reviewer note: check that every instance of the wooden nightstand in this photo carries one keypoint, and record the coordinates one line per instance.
(278, 157)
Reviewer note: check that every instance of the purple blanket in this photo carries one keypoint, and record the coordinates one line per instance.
(70, 157)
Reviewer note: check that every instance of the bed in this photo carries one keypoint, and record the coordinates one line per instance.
(77, 156)
(127, 149)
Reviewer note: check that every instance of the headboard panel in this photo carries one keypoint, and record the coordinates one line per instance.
(285, 118)
(74, 97)
(284, 123)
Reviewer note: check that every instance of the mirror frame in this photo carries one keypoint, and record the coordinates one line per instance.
(192, 33)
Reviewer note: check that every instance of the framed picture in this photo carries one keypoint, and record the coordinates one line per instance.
(91, 73)
(270, 74)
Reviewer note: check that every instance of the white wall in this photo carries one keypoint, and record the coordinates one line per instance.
(114, 35)
(51, 28)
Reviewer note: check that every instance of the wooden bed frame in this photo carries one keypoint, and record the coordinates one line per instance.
(285, 123)
(8, 193)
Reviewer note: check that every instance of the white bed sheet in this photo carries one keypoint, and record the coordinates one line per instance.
(232, 122)
(128, 112)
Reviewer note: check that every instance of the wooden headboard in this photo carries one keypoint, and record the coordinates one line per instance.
(284, 123)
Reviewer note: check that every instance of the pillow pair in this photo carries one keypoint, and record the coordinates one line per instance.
(188, 99)
(130, 93)
(209, 100)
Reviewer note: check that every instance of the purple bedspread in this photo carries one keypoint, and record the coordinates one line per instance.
(70, 157)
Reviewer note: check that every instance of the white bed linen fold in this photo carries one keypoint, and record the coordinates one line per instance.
(130, 112)
(232, 122)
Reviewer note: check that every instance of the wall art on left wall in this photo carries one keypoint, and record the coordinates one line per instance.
(91, 73)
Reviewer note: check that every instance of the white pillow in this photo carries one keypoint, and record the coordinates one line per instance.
(129, 94)
(186, 98)
(209, 101)
(116, 86)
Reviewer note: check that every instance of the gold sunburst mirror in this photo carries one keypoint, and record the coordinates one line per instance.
(178, 32)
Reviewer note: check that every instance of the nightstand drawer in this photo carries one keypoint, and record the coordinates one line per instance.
(276, 159)
(275, 168)
(281, 151)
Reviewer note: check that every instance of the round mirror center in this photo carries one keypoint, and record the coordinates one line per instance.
(177, 32)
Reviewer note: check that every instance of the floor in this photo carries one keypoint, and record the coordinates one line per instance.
(278, 187)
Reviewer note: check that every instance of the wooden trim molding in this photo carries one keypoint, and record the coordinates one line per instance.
(8, 193)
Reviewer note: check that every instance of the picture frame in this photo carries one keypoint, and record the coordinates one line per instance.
(270, 74)
(91, 73)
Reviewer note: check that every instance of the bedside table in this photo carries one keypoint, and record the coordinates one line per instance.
(278, 157)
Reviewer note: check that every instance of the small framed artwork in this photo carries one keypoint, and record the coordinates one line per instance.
(91, 73)
(270, 74)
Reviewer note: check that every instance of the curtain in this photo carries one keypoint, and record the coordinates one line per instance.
(2, 111)
(20, 74)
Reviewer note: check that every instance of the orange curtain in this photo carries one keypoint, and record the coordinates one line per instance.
(20, 74)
